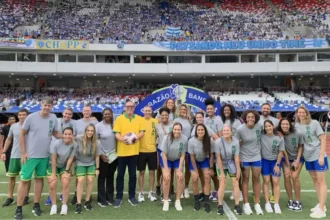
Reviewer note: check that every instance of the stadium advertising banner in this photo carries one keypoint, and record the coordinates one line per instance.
(244, 45)
(181, 94)
(62, 45)
(17, 42)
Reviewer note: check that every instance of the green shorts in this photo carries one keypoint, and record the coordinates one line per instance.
(85, 170)
(59, 171)
(226, 172)
(14, 167)
(37, 165)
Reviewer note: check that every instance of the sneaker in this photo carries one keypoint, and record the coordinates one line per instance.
(317, 207)
(152, 196)
(7, 174)
(238, 210)
(141, 197)
(103, 204)
(186, 193)
(318, 214)
(247, 209)
(111, 202)
(197, 206)
(277, 209)
(133, 201)
(78, 209)
(177, 205)
(298, 206)
(162, 199)
(291, 205)
(207, 207)
(117, 203)
(61, 197)
(258, 209)
(8, 202)
(220, 210)
(158, 192)
(18, 214)
(240, 196)
(231, 196)
(214, 196)
(48, 201)
(88, 205)
(271, 199)
(166, 206)
(74, 200)
(53, 210)
(268, 208)
(36, 210)
(64, 210)
(26, 200)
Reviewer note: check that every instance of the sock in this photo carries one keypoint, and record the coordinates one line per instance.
(36, 204)
(196, 198)
(19, 208)
(206, 198)
(158, 187)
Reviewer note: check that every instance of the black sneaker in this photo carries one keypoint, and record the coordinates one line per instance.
(207, 207)
(133, 201)
(110, 202)
(88, 205)
(103, 204)
(74, 200)
(297, 207)
(220, 210)
(117, 203)
(26, 200)
(78, 209)
(197, 206)
(8, 202)
(158, 192)
(238, 210)
(36, 210)
(291, 205)
(18, 215)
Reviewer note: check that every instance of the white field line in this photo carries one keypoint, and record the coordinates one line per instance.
(228, 212)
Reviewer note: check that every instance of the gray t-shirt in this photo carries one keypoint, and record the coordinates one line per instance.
(270, 146)
(61, 124)
(174, 149)
(39, 134)
(170, 116)
(234, 126)
(263, 119)
(81, 124)
(195, 147)
(312, 143)
(87, 159)
(106, 136)
(214, 123)
(250, 142)
(186, 126)
(63, 152)
(291, 142)
(231, 148)
(14, 131)
(163, 130)
(209, 131)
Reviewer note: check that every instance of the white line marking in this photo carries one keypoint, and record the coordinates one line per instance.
(229, 213)
(6, 182)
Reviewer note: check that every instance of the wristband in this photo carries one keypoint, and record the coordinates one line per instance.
(97, 169)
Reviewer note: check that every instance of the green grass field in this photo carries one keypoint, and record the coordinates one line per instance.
(153, 210)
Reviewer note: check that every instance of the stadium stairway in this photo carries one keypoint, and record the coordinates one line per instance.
(270, 4)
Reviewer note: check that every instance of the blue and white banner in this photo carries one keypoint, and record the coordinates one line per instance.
(18, 43)
(172, 31)
(244, 45)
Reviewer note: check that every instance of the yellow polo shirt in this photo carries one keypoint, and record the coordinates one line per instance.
(148, 141)
(124, 125)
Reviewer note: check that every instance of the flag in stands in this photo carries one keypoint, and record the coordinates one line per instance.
(172, 31)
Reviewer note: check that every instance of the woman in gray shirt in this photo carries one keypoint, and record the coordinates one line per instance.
(170, 104)
(272, 148)
(315, 156)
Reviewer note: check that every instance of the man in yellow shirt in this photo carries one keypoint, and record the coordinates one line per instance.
(148, 154)
(127, 153)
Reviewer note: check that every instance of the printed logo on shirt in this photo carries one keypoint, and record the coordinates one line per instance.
(258, 136)
(50, 128)
(233, 149)
(294, 144)
(153, 133)
(308, 134)
(180, 149)
(274, 147)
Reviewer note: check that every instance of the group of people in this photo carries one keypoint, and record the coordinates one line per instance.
(173, 144)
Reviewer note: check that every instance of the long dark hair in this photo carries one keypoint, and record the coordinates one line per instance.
(233, 114)
(171, 134)
(291, 128)
(270, 122)
(111, 120)
(206, 139)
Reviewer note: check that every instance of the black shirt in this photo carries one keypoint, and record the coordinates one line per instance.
(5, 132)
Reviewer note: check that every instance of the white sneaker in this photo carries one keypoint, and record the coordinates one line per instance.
(231, 196)
(152, 196)
(64, 210)
(247, 209)
(277, 209)
(166, 206)
(141, 197)
(240, 196)
(186, 193)
(318, 214)
(7, 174)
(177, 205)
(268, 208)
(258, 209)
(53, 210)
(317, 207)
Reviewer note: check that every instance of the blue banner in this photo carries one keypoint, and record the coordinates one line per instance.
(244, 45)
(188, 95)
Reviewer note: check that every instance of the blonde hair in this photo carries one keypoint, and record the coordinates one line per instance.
(230, 127)
(308, 115)
(85, 140)
(188, 112)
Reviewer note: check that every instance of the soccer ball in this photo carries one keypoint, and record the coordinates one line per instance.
(131, 138)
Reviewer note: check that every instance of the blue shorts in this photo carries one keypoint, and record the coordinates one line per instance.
(159, 152)
(268, 168)
(254, 164)
(200, 165)
(314, 165)
(170, 164)
(291, 161)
